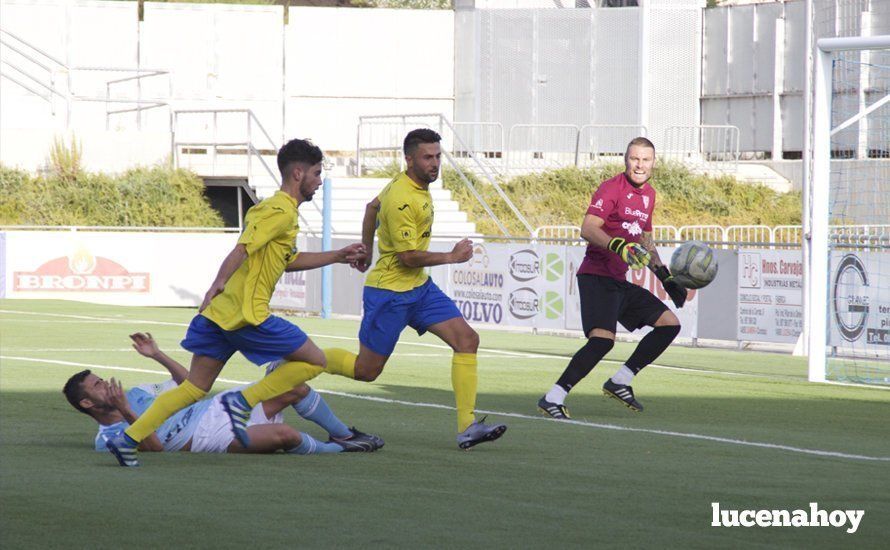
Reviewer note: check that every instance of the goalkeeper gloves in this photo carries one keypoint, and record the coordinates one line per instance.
(633, 254)
(671, 286)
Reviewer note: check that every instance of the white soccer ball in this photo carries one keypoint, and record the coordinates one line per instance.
(694, 265)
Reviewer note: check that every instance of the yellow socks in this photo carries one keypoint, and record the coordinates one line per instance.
(164, 406)
(340, 362)
(281, 380)
(463, 380)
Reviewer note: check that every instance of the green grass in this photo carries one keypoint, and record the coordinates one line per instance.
(561, 197)
(545, 484)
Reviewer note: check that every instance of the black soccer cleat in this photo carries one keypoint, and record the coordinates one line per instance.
(360, 442)
(553, 410)
(622, 393)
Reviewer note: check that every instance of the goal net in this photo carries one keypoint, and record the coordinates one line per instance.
(849, 283)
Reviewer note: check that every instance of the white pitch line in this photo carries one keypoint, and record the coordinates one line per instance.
(500, 353)
(614, 427)
(515, 354)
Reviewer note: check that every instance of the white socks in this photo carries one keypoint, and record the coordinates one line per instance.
(557, 394)
(624, 376)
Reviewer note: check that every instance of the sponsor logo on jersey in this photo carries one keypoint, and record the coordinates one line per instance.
(598, 204)
(632, 228)
(81, 272)
(636, 212)
(404, 206)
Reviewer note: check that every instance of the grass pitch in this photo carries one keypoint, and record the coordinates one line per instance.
(743, 429)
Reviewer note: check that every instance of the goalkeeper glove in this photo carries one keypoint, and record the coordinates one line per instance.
(671, 286)
(633, 254)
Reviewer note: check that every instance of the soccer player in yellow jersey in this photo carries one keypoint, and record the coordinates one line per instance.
(399, 293)
(235, 313)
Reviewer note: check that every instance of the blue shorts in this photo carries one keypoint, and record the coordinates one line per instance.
(271, 340)
(387, 312)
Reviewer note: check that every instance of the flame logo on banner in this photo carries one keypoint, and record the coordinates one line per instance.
(82, 262)
(81, 272)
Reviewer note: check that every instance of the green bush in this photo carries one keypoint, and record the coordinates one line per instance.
(140, 197)
(560, 197)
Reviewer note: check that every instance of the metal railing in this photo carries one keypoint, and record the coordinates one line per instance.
(706, 233)
(379, 143)
(484, 141)
(780, 236)
(708, 147)
(121, 228)
(660, 233)
(48, 77)
(141, 104)
(537, 147)
(244, 145)
(47, 68)
(599, 141)
(572, 232)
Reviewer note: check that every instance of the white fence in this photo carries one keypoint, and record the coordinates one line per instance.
(538, 147)
(780, 236)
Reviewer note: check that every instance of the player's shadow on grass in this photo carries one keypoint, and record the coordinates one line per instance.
(778, 416)
(33, 421)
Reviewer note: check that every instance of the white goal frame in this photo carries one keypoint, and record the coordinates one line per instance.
(818, 239)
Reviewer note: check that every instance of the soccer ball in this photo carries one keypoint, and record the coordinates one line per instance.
(693, 265)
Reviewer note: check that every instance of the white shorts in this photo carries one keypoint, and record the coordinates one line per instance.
(214, 431)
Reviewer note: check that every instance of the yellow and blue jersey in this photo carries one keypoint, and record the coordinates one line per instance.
(270, 233)
(404, 223)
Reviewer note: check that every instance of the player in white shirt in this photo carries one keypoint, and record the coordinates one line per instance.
(204, 427)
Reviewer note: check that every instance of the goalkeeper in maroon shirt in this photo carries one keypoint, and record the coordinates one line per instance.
(618, 229)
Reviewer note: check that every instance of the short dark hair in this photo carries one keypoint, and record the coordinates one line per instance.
(298, 150)
(639, 142)
(418, 136)
(73, 390)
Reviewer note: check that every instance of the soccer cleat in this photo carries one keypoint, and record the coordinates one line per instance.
(123, 448)
(360, 442)
(239, 413)
(479, 432)
(625, 394)
(554, 410)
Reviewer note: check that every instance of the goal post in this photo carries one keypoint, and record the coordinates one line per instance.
(849, 212)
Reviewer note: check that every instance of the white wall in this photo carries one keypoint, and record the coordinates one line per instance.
(339, 64)
(365, 62)
(111, 151)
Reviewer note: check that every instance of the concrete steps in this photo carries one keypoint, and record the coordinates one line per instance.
(760, 173)
(754, 173)
(350, 196)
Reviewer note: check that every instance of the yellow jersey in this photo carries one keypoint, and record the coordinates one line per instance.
(404, 223)
(270, 234)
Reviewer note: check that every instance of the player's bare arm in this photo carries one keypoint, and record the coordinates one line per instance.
(369, 225)
(118, 400)
(649, 244)
(311, 260)
(145, 344)
(592, 232)
(229, 266)
(461, 253)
